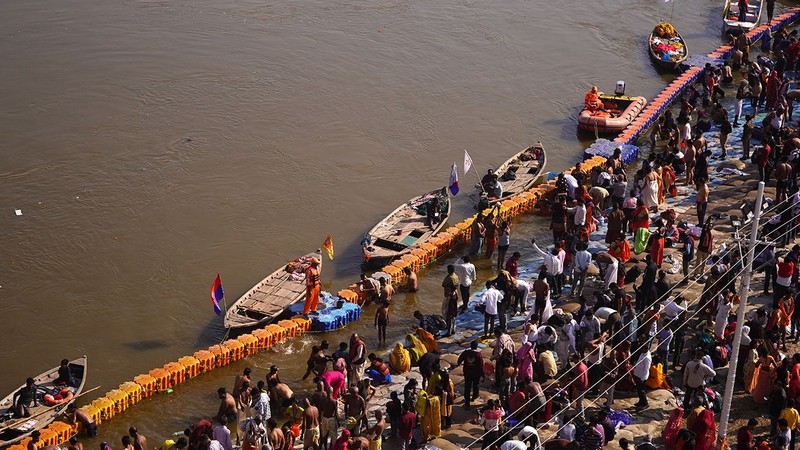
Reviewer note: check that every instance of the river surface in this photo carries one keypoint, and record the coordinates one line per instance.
(152, 144)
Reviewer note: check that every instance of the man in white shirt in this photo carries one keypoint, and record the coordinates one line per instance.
(581, 266)
(579, 215)
(528, 436)
(641, 372)
(554, 264)
(521, 296)
(694, 375)
(572, 184)
(566, 341)
(490, 299)
(466, 275)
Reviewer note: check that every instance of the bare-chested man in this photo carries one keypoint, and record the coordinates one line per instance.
(275, 436)
(329, 424)
(317, 362)
(541, 288)
(237, 384)
(139, 441)
(413, 283)
(319, 393)
(783, 171)
(387, 290)
(311, 433)
(354, 409)
(375, 434)
(228, 410)
(281, 394)
(75, 415)
(690, 155)
(382, 321)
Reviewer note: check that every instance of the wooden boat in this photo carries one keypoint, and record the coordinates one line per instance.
(666, 47)
(268, 299)
(521, 172)
(13, 430)
(733, 24)
(620, 112)
(407, 226)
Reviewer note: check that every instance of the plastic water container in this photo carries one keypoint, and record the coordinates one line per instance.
(191, 364)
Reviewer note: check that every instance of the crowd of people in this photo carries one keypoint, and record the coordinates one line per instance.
(622, 325)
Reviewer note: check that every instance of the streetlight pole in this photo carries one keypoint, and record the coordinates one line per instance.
(737, 336)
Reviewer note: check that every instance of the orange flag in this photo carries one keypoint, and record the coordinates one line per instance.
(328, 246)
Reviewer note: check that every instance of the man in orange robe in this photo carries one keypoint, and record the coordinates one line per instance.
(312, 287)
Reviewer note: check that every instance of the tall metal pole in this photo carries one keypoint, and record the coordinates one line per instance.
(737, 336)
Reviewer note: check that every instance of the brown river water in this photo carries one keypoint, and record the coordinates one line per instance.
(151, 145)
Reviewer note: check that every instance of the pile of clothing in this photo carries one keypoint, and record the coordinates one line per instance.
(668, 49)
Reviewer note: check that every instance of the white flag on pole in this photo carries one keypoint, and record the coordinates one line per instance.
(467, 162)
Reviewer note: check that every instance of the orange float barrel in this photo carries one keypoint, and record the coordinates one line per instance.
(303, 323)
(63, 430)
(414, 261)
(291, 327)
(207, 360)
(120, 399)
(346, 294)
(422, 259)
(264, 338)
(250, 343)
(278, 332)
(106, 407)
(20, 446)
(134, 391)
(48, 437)
(163, 378)
(176, 371)
(191, 364)
(457, 233)
(431, 250)
(222, 355)
(395, 270)
(236, 348)
(148, 384)
(466, 229)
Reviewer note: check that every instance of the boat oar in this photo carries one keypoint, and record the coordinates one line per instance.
(49, 408)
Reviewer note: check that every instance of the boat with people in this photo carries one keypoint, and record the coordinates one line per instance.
(666, 47)
(410, 225)
(55, 388)
(734, 22)
(270, 297)
(605, 114)
(519, 173)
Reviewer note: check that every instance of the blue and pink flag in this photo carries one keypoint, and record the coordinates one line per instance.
(217, 294)
(454, 179)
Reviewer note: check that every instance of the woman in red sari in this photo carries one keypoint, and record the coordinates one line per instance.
(657, 247)
(705, 430)
(641, 216)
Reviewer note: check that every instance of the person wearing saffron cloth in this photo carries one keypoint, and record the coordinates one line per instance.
(312, 287)
(592, 102)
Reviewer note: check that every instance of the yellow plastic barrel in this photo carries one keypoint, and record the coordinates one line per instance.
(191, 364)
(304, 323)
(63, 430)
(106, 407)
(289, 326)
(236, 348)
(176, 371)
(148, 384)
(250, 343)
(207, 360)
(134, 390)
(278, 332)
(120, 399)
(163, 378)
(222, 355)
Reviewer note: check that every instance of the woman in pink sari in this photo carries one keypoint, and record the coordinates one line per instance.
(525, 357)
(794, 378)
(705, 430)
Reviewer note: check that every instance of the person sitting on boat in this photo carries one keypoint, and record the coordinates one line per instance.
(312, 287)
(592, 100)
(23, 399)
(434, 212)
(495, 189)
(65, 375)
(75, 415)
(486, 181)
